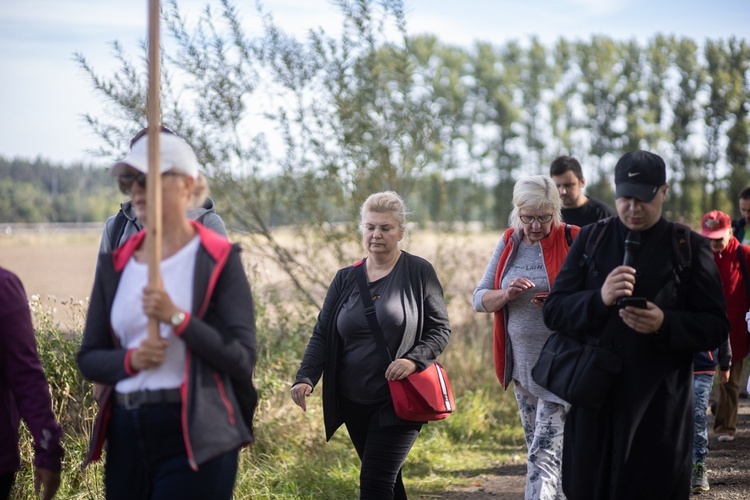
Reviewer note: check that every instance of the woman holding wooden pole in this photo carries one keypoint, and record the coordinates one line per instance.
(171, 331)
(178, 407)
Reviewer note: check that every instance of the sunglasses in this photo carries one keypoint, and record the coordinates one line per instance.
(125, 182)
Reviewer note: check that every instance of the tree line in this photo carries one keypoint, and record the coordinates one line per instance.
(299, 130)
(33, 191)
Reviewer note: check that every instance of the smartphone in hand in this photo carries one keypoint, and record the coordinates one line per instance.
(639, 302)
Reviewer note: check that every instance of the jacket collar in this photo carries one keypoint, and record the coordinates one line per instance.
(216, 245)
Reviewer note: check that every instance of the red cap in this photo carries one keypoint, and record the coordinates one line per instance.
(715, 224)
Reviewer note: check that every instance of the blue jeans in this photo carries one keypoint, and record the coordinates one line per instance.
(702, 387)
(147, 459)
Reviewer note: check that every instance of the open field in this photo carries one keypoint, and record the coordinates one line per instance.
(59, 266)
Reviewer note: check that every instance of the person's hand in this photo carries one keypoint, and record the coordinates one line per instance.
(643, 320)
(150, 354)
(98, 390)
(723, 376)
(399, 369)
(157, 304)
(300, 392)
(47, 482)
(619, 283)
(517, 286)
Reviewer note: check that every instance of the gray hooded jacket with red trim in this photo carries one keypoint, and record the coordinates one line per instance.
(218, 396)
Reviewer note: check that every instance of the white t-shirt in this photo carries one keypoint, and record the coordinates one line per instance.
(130, 323)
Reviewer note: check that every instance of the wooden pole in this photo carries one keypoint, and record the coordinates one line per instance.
(153, 185)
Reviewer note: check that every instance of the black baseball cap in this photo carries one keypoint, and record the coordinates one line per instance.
(639, 174)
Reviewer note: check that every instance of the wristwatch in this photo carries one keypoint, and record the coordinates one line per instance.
(177, 319)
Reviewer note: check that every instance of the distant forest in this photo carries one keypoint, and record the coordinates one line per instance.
(38, 191)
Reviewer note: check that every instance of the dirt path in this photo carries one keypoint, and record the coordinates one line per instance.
(728, 471)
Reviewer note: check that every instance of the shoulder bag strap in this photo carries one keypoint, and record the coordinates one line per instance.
(364, 293)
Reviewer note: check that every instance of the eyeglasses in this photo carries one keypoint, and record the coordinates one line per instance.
(125, 182)
(542, 219)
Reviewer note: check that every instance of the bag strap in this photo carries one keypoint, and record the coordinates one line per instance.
(568, 236)
(683, 260)
(682, 251)
(364, 293)
(594, 239)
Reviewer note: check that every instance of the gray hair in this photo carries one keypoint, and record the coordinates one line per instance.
(537, 192)
(386, 202)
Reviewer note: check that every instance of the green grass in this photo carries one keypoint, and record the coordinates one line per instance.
(291, 459)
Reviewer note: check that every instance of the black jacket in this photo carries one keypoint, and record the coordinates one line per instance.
(426, 333)
(738, 229)
(706, 361)
(218, 393)
(638, 445)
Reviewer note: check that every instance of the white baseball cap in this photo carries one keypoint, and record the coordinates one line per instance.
(174, 154)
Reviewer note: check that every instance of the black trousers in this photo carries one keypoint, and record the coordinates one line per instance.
(6, 483)
(382, 450)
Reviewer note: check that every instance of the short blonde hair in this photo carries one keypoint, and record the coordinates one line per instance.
(386, 202)
(537, 192)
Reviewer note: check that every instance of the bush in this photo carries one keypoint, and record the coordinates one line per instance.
(290, 459)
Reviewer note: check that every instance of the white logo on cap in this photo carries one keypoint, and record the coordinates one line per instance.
(633, 174)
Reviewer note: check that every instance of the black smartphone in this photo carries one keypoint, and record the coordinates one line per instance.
(639, 302)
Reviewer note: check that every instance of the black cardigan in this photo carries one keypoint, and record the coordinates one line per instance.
(426, 333)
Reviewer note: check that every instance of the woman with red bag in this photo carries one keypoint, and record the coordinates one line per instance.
(520, 273)
(410, 309)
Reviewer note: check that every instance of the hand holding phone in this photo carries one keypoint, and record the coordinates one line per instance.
(639, 302)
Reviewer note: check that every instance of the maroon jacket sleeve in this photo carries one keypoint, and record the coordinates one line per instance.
(22, 378)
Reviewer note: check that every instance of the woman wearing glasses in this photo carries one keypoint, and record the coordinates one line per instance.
(521, 271)
(177, 408)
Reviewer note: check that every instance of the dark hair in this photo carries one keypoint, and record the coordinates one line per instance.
(144, 131)
(562, 164)
(745, 194)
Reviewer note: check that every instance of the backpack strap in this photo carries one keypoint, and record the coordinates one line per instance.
(568, 236)
(118, 230)
(683, 253)
(594, 239)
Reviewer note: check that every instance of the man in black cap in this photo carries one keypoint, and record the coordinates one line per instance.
(639, 443)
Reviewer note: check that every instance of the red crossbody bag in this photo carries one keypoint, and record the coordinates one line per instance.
(422, 396)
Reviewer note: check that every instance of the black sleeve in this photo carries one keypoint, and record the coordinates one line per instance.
(702, 324)
(436, 330)
(99, 359)
(313, 361)
(226, 339)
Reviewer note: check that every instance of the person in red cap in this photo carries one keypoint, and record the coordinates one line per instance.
(717, 227)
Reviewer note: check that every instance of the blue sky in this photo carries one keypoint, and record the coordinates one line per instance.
(43, 94)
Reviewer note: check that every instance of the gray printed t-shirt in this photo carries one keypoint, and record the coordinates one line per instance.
(526, 328)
